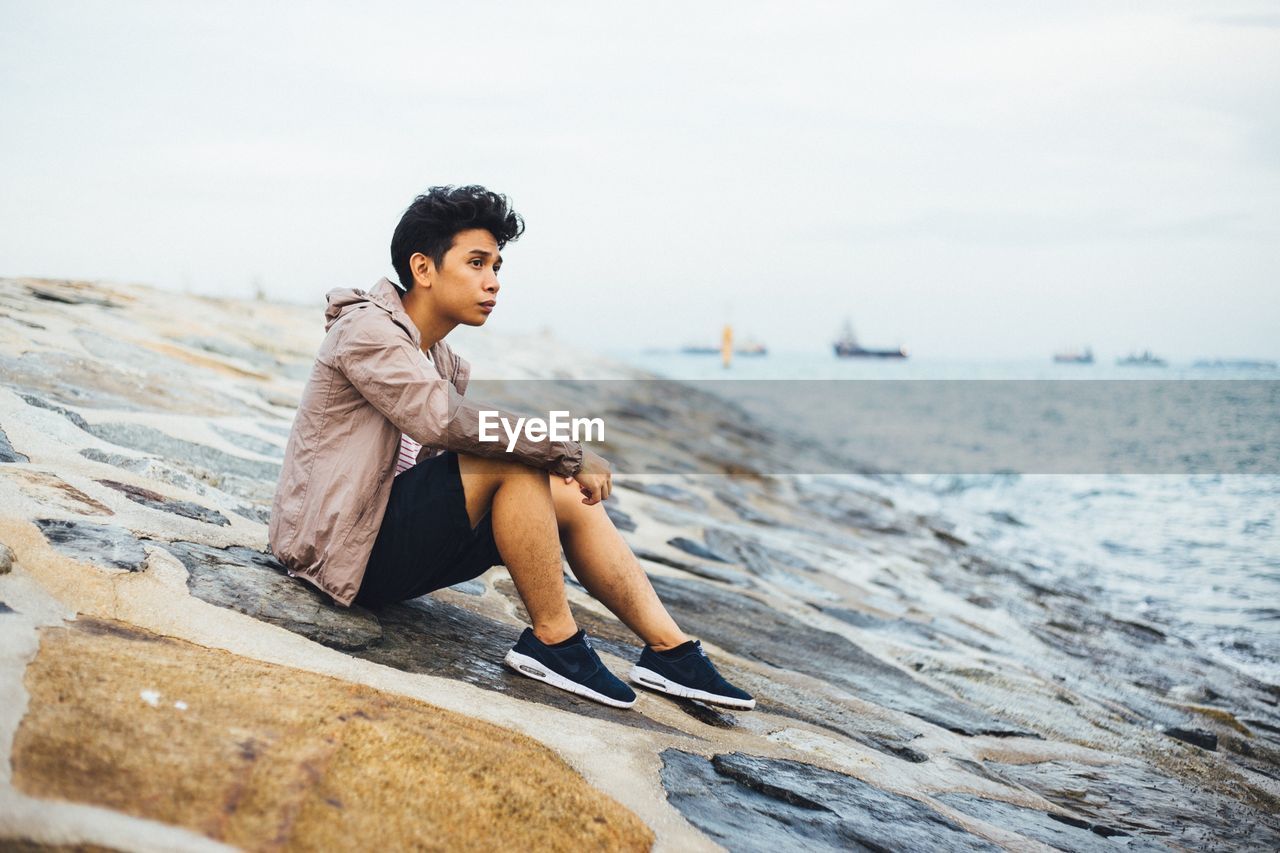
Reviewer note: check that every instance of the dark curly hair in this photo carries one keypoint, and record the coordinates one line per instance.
(430, 223)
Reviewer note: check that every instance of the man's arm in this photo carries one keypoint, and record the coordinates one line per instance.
(594, 475)
(391, 374)
(462, 369)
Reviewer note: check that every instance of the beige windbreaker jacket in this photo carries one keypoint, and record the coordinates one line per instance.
(369, 384)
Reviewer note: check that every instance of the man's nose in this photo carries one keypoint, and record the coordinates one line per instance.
(492, 286)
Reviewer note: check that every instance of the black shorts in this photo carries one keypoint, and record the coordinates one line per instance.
(426, 541)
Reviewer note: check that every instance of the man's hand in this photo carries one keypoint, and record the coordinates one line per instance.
(595, 478)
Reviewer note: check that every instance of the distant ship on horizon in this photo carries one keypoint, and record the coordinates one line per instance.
(1143, 359)
(847, 346)
(1084, 356)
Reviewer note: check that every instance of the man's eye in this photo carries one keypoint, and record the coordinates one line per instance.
(477, 263)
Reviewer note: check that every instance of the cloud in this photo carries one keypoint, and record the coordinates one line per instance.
(677, 163)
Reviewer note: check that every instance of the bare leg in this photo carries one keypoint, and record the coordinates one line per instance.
(601, 560)
(524, 528)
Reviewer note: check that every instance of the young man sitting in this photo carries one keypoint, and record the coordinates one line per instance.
(387, 491)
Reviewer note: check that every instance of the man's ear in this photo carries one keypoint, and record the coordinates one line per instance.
(423, 269)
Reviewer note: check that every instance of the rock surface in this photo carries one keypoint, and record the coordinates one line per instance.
(914, 691)
(254, 583)
(287, 759)
(751, 628)
(1126, 797)
(188, 454)
(752, 803)
(104, 544)
(1053, 828)
(157, 501)
(7, 453)
(53, 492)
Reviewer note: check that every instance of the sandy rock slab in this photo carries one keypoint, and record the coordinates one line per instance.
(266, 757)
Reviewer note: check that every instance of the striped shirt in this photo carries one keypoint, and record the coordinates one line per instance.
(408, 447)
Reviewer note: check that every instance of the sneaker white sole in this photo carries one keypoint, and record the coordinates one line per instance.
(531, 668)
(648, 678)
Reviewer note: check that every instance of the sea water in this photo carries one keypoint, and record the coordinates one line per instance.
(1198, 554)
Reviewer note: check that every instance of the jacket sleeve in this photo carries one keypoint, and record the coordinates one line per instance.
(389, 372)
(461, 373)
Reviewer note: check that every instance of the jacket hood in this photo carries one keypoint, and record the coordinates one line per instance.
(384, 294)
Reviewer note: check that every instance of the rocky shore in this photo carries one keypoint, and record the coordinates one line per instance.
(165, 686)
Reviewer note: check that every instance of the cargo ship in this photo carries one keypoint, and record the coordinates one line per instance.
(1142, 359)
(847, 346)
(1084, 356)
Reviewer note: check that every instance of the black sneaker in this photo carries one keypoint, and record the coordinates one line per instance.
(686, 671)
(570, 665)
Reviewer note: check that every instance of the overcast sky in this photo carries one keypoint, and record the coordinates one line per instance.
(966, 179)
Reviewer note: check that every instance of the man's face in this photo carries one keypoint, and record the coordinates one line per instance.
(466, 284)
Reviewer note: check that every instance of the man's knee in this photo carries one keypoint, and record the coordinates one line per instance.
(568, 502)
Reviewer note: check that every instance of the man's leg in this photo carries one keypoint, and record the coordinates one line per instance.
(529, 528)
(601, 560)
(610, 572)
(524, 529)
(532, 514)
